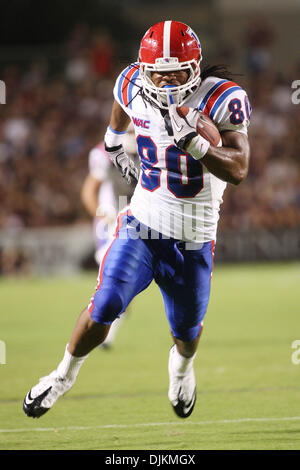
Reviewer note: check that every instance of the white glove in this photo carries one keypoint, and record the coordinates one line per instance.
(123, 163)
(184, 132)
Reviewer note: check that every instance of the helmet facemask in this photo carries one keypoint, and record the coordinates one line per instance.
(179, 94)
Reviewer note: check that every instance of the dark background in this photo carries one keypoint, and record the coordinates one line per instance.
(59, 61)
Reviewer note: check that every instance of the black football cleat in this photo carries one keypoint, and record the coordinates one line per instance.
(32, 406)
(42, 396)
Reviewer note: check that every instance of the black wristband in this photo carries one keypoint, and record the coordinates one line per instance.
(112, 149)
(184, 140)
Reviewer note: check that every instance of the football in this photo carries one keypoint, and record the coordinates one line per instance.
(204, 127)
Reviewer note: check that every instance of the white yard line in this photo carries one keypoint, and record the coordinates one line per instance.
(143, 425)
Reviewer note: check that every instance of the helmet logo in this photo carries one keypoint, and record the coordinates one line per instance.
(191, 33)
(166, 60)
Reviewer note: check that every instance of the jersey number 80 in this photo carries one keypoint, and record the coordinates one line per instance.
(184, 173)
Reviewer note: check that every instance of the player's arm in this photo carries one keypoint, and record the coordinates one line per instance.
(119, 120)
(118, 124)
(89, 194)
(230, 162)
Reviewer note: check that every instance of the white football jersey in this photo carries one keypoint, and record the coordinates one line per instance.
(113, 190)
(176, 195)
(99, 168)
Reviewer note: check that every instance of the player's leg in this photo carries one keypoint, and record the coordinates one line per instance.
(186, 348)
(126, 270)
(182, 380)
(114, 328)
(87, 335)
(186, 299)
(103, 236)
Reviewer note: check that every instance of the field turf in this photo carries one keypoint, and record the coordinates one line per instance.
(248, 388)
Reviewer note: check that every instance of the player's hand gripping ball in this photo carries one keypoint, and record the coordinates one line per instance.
(204, 126)
(186, 123)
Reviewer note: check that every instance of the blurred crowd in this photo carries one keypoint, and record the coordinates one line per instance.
(56, 111)
(54, 114)
(270, 196)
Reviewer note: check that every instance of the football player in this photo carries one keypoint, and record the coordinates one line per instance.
(104, 193)
(168, 233)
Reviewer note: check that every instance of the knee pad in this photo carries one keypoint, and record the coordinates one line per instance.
(106, 305)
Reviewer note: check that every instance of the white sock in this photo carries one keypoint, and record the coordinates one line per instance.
(70, 365)
(182, 364)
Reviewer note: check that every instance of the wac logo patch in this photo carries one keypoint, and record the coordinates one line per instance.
(141, 123)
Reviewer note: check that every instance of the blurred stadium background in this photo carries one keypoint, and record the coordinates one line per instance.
(59, 61)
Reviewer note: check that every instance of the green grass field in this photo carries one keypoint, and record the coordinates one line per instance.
(248, 387)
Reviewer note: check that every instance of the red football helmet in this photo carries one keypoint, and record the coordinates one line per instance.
(168, 46)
